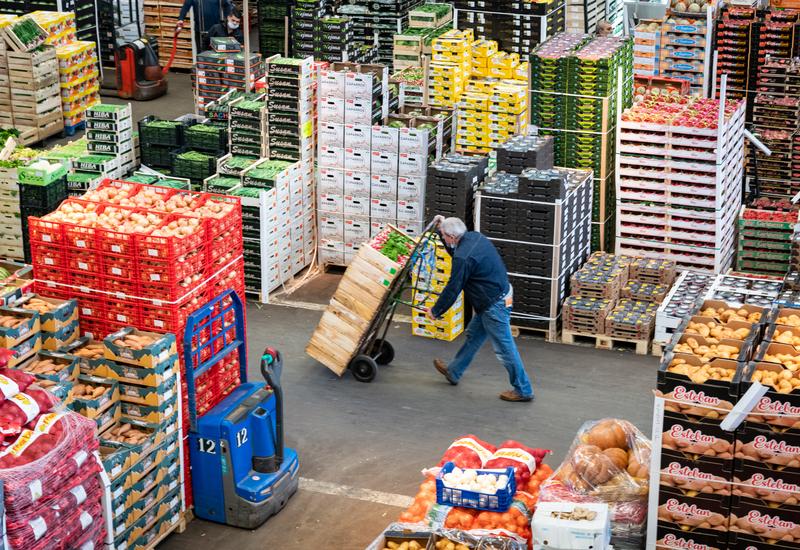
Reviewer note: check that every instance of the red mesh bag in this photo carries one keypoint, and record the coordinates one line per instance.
(468, 452)
(518, 456)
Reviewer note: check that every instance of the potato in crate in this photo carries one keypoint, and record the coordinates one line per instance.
(144, 349)
(54, 314)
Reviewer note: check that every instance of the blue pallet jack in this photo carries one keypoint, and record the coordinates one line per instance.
(241, 472)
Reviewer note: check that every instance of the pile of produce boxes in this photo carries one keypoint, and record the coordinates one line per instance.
(517, 28)
(6, 114)
(538, 217)
(160, 22)
(743, 479)
(766, 233)
(576, 82)
(10, 216)
(743, 289)
(451, 184)
(217, 72)
(429, 278)
(616, 298)
(685, 48)
(376, 24)
(424, 24)
(689, 287)
(680, 165)
(272, 21)
(20, 333)
(79, 79)
(42, 187)
(109, 149)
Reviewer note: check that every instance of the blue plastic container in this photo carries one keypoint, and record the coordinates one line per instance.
(498, 502)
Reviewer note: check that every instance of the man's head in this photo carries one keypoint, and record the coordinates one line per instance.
(452, 230)
(234, 19)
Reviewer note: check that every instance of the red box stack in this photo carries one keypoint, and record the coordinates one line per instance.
(142, 256)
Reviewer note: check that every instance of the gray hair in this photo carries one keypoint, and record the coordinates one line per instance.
(453, 227)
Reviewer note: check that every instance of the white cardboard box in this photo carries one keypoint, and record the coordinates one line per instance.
(330, 202)
(383, 208)
(330, 134)
(356, 206)
(358, 136)
(412, 229)
(356, 229)
(414, 141)
(412, 165)
(358, 85)
(331, 226)
(331, 84)
(331, 157)
(550, 532)
(410, 210)
(376, 225)
(330, 180)
(358, 111)
(384, 162)
(383, 187)
(331, 109)
(385, 138)
(356, 183)
(410, 187)
(357, 160)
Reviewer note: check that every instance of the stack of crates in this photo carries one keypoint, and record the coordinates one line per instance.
(450, 68)
(429, 278)
(272, 16)
(159, 139)
(10, 221)
(79, 79)
(33, 79)
(40, 192)
(217, 72)
(110, 133)
(6, 118)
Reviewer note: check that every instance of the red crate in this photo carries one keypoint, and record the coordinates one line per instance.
(45, 231)
(119, 266)
(80, 237)
(226, 243)
(92, 308)
(94, 327)
(121, 314)
(169, 248)
(48, 256)
(47, 281)
(117, 242)
(103, 192)
(152, 197)
(183, 202)
(171, 272)
(121, 288)
(171, 318)
(224, 221)
(87, 262)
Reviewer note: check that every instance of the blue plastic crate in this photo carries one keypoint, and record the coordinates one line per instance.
(498, 502)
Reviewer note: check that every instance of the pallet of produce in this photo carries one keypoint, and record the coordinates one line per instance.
(430, 16)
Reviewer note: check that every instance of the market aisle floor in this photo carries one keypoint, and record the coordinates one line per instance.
(379, 436)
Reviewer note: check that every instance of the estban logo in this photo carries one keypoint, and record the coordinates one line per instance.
(766, 520)
(759, 480)
(766, 404)
(763, 443)
(676, 469)
(682, 394)
(687, 434)
(674, 542)
(689, 509)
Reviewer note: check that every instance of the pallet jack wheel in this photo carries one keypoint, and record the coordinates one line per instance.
(385, 352)
(364, 368)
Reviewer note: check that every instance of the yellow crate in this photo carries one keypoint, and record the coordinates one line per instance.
(427, 331)
(521, 71)
(484, 48)
(449, 319)
(472, 100)
(504, 60)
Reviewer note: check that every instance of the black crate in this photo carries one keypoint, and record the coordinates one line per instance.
(46, 197)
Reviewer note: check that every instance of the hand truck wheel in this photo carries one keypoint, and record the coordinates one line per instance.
(364, 368)
(385, 352)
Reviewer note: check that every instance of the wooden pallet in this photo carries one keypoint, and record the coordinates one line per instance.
(657, 348)
(178, 527)
(601, 341)
(550, 334)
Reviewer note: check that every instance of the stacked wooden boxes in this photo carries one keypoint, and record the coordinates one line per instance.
(6, 118)
(33, 79)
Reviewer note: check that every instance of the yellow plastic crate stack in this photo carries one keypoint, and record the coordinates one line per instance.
(60, 26)
(450, 67)
(494, 106)
(428, 282)
(79, 78)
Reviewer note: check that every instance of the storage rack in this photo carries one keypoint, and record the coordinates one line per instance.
(679, 191)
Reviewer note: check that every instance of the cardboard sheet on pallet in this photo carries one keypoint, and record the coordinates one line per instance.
(360, 295)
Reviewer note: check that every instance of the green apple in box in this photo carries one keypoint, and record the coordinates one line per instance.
(145, 349)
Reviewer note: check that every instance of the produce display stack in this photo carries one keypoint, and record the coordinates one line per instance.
(51, 452)
(362, 290)
(377, 23)
(6, 115)
(517, 28)
(736, 33)
(42, 187)
(10, 215)
(766, 232)
(272, 22)
(109, 148)
(574, 99)
(450, 67)
(413, 43)
(217, 72)
(740, 480)
(679, 303)
(33, 80)
(247, 128)
(450, 186)
(685, 48)
(492, 111)
(617, 297)
(646, 48)
(79, 79)
(429, 278)
(776, 120)
(743, 289)
(369, 175)
(680, 165)
(160, 19)
(538, 217)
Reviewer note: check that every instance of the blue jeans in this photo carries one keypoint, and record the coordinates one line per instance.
(494, 323)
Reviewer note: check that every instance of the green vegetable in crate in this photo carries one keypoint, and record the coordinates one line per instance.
(4, 274)
(393, 245)
(29, 33)
(397, 124)
(246, 192)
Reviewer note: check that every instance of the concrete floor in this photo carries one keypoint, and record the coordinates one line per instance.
(355, 438)
(379, 436)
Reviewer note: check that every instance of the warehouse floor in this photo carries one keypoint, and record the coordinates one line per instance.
(362, 446)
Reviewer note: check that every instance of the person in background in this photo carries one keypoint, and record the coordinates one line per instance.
(227, 7)
(232, 28)
(604, 28)
(479, 271)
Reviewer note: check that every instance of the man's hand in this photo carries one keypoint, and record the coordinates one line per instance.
(437, 220)
(179, 26)
(429, 314)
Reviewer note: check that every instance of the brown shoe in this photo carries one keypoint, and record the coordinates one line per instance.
(442, 368)
(512, 395)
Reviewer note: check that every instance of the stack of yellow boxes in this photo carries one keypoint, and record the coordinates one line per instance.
(451, 64)
(79, 76)
(494, 106)
(429, 279)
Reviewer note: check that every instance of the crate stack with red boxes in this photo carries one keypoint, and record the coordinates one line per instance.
(142, 256)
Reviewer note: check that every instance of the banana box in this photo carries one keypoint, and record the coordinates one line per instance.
(447, 334)
(481, 85)
(504, 60)
(472, 100)
(521, 71)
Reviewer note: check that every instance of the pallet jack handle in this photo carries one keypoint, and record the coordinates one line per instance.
(168, 66)
(271, 369)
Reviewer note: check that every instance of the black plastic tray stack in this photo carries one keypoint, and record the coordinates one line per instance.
(450, 186)
(539, 218)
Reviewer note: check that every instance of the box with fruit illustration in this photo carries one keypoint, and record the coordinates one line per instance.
(144, 349)
(54, 314)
